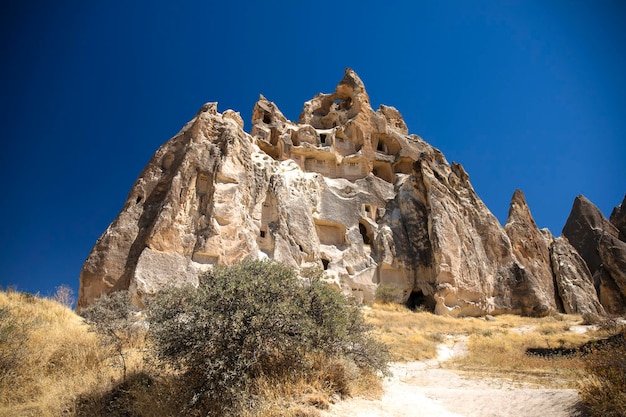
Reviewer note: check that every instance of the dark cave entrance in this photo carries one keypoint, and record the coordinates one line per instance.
(365, 234)
(419, 301)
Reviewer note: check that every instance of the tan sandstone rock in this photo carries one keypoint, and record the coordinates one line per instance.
(347, 189)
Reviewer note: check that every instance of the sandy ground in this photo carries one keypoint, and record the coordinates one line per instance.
(424, 389)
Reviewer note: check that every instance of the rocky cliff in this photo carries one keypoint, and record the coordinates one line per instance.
(601, 244)
(346, 189)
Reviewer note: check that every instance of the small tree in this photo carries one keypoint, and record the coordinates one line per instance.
(251, 319)
(112, 317)
(64, 294)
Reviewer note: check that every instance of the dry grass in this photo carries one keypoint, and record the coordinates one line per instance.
(496, 348)
(63, 369)
(58, 358)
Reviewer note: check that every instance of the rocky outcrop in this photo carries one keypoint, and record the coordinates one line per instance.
(596, 240)
(346, 189)
(532, 250)
(618, 219)
(573, 280)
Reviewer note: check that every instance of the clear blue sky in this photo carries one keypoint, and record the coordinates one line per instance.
(525, 94)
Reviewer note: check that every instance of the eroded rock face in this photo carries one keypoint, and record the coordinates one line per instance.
(346, 189)
(532, 250)
(574, 282)
(596, 240)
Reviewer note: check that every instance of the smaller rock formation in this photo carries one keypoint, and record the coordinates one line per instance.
(597, 241)
(531, 248)
(573, 280)
(618, 219)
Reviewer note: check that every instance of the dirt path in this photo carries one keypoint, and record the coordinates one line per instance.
(424, 389)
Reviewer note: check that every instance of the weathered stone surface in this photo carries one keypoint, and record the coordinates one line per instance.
(596, 240)
(573, 280)
(532, 250)
(346, 189)
(618, 219)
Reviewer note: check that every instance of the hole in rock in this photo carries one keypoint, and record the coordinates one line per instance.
(138, 200)
(323, 138)
(267, 119)
(325, 262)
(419, 301)
(262, 233)
(363, 230)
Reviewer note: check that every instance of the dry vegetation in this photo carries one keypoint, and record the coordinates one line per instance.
(47, 356)
(495, 348)
(51, 365)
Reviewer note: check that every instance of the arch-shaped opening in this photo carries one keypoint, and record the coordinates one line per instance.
(365, 233)
(325, 263)
(420, 301)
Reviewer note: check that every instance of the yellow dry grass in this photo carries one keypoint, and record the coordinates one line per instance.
(57, 360)
(496, 348)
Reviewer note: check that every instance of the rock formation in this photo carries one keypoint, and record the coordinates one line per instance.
(347, 189)
(597, 241)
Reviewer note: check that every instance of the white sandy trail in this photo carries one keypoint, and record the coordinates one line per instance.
(423, 389)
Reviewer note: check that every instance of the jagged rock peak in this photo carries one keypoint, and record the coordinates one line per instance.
(519, 210)
(531, 248)
(618, 219)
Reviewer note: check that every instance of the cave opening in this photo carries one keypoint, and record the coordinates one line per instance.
(418, 301)
(363, 230)
(267, 118)
(325, 263)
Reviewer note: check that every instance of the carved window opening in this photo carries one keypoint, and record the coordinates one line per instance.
(420, 301)
(369, 211)
(267, 118)
(262, 233)
(323, 137)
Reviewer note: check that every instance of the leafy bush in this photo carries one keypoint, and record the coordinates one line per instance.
(388, 293)
(251, 320)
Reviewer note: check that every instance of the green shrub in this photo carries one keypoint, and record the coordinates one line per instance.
(388, 293)
(254, 319)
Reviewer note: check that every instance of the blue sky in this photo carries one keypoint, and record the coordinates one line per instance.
(525, 94)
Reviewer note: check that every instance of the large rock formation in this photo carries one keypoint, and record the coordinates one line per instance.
(347, 189)
(598, 242)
